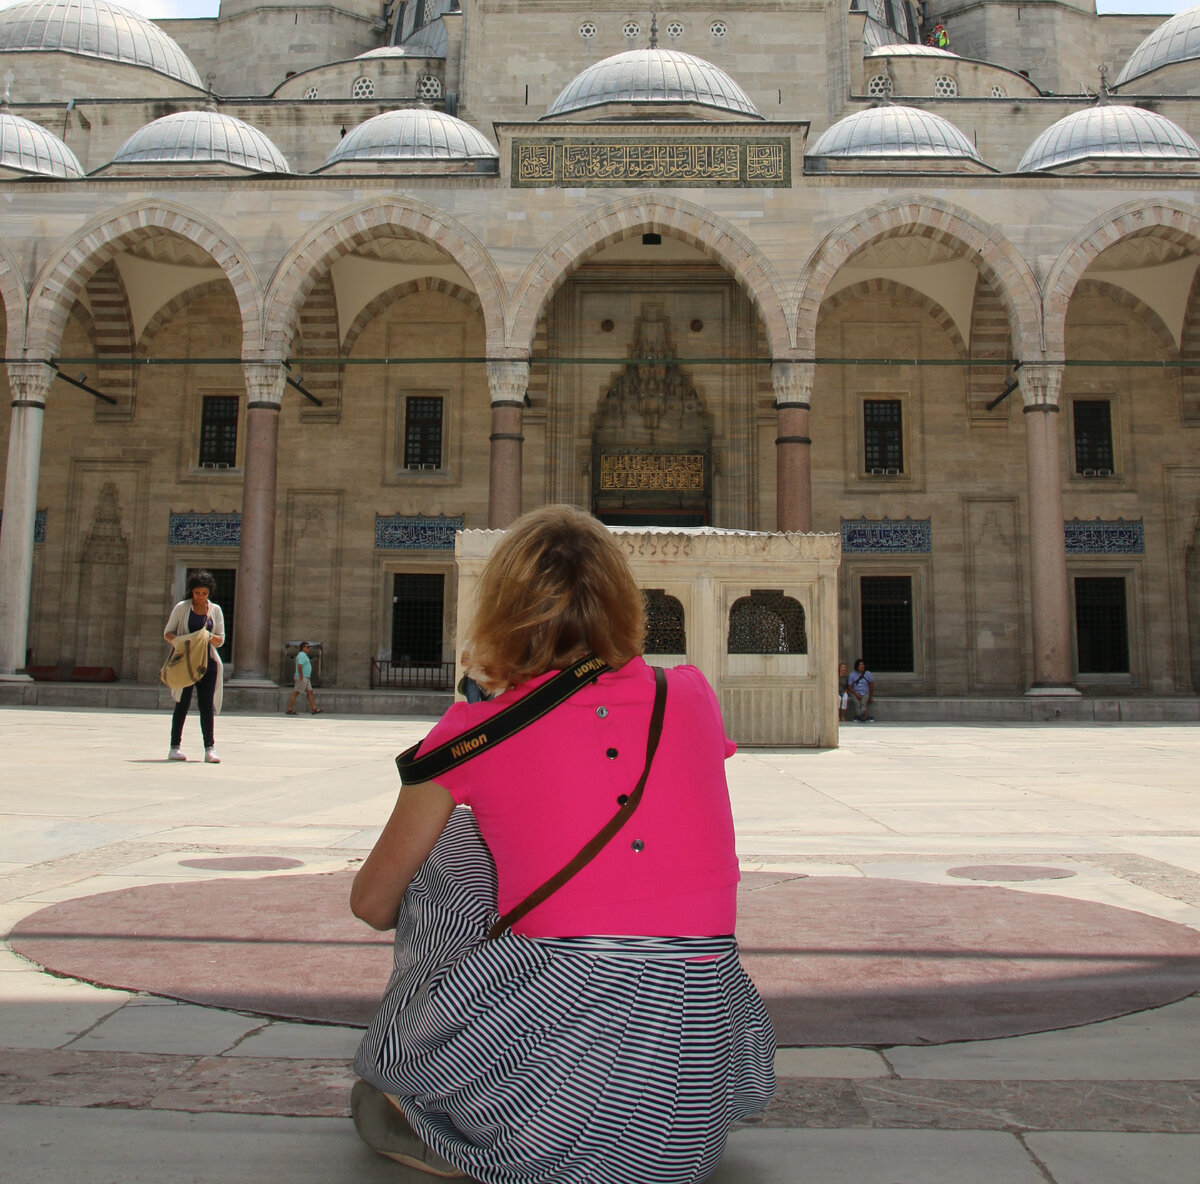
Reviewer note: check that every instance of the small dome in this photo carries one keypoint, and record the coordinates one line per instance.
(413, 134)
(1176, 40)
(96, 29)
(906, 50)
(1108, 133)
(895, 131)
(653, 76)
(27, 148)
(208, 137)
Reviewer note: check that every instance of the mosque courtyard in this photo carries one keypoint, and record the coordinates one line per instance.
(1021, 904)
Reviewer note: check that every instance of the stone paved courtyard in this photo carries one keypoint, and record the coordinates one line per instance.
(101, 1085)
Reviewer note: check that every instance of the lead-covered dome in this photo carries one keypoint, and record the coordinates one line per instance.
(1112, 133)
(415, 135)
(95, 29)
(893, 131)
(202, 137)
(1176, 40)
(653, 76)
(29, 150)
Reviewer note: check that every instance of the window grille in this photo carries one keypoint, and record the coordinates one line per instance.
(665, 632)
(1093, 437)
(418, 600)
(883, 436)
(423, 432)
(311, 93)
(718, 29)
(886, 620)
(363, 88)
(587, 30)
(945, 87)
(675, 29)
(218, 431)
(879, 87)
(767, 622)
(998, 92)
(1101, 625)
(631, 29)
(429, 86)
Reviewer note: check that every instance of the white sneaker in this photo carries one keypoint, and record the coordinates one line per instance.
(210, 757)
(176, 754)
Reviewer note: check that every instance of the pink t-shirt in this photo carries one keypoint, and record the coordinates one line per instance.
(542, 794)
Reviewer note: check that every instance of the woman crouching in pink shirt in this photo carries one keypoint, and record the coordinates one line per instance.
(602, 1029)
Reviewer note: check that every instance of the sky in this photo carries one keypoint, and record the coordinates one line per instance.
(186, 8)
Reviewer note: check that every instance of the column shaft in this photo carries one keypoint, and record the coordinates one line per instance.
(29, 383)
(1050, 599)
(508, 382)
(256, 563)
(793, 382)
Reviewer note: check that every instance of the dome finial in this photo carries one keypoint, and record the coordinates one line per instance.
(653, 28)
(1104, 94)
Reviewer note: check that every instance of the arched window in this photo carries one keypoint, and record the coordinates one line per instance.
(767, 622)
(363, 88)
(665, 632)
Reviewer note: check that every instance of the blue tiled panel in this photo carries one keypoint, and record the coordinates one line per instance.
(416, 532)
(1105, 537)
(205, 530)
(39, 525)
(883, 536)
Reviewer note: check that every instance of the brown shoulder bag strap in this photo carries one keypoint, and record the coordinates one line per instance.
(610, 828)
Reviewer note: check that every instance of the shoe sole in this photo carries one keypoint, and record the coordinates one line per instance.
(382, 1126)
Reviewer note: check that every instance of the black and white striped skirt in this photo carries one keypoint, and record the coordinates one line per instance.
(561, 1061)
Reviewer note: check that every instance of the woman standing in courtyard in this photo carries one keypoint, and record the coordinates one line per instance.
(603, 1029)
(188, 617)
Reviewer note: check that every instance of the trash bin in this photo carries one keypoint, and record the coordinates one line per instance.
(290, 650)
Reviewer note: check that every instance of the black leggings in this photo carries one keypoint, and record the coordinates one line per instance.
(205, 689)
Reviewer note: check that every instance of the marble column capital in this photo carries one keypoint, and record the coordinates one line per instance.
(30, 382)
(265, 382)
(1041, 385)
(793, 383)
(508, 380)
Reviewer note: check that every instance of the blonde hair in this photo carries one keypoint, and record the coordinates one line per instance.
(557, 587)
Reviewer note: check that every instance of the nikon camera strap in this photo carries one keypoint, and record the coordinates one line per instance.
(526, 710)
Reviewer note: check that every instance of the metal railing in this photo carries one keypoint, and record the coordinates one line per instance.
(428, 676)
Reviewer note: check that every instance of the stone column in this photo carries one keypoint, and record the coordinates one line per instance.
(1050, 602)
(507, 381)
(793, 382)
(256, 563)
(29, 382)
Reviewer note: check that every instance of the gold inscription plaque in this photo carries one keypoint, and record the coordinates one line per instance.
(696, 163)
(651, 472)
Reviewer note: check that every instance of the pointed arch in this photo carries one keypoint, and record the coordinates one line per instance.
(380, 303)
(722, 242)
(16, 304)
(997, 260)
(878, 286)
(63, 278)
(388, 217)
(1165, 219)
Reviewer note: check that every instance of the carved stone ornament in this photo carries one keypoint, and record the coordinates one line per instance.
(105, 543)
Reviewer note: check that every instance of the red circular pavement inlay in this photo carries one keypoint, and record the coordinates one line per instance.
(839, 961)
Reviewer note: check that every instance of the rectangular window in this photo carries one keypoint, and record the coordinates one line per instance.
(1101, 625)
(887, 623)
(422, 432)
(883, 437)
(218, 431)
(1093, 437)
(417, 606)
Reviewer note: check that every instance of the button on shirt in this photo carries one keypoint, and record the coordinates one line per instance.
(542, 794)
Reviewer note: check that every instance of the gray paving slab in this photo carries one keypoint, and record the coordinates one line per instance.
(148, 1024)
(1118, 1158)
